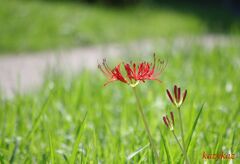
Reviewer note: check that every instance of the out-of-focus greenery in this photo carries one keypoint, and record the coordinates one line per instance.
(40, 25)
(36, 128)
(120, 3)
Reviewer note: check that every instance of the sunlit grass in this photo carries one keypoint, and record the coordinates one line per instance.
(34, 25)
(48, 125)
(40, 25)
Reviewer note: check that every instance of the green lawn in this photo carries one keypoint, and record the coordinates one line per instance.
(41, 25)
(38, 128)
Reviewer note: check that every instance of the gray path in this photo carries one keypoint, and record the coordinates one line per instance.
(24, 72)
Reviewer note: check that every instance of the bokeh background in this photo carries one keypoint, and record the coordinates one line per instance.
(34, 25)
(54, 108)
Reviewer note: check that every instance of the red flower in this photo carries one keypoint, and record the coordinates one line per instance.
(177, 100)
(169, 123)
(134, 72)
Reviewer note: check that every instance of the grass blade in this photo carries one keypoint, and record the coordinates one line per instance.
(169, 158)
(14, 152)
(1, 158)
(37, 119)
(233, 141)
(142, 158)
(76, 144)
(137, 152)
(52, 157)
(193, 128)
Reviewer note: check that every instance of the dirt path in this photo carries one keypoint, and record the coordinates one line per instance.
(24, 72)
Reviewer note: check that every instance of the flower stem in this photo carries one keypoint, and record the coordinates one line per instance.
(179, 143)
(146, 126)
(182, 135)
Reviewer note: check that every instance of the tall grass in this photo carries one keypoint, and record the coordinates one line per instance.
(41, 25)
(112, 131)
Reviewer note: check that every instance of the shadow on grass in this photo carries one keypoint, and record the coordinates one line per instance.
(220, 18)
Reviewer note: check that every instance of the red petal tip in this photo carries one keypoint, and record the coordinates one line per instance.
(184, 96)
(165, 121)
(170, 96)
(175, 92)
(179, 94)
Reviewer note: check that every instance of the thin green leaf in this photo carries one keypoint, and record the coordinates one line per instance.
(137, 152)
(194, 127)
(51, 149)
(233, 140)
(1, 158)
(37, 119)
(219, 144)
(142, 157)
(78, 139)
(14, 152)
(169, 158)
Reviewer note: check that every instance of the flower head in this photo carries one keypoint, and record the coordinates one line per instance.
(177, 100)
(168, 123)
(134, 72)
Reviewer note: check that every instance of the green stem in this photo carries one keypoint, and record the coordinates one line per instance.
(179, 144)
(146, 126)
(182, 135)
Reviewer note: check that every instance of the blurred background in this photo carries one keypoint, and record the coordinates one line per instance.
(41, 40)
(36, 25)
(34, 32)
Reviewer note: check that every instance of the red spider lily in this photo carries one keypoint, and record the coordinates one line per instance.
(134, 72)
(177, 100)
(169, 123)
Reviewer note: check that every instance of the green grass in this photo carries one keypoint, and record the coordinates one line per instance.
(41, 25)
(77, 118)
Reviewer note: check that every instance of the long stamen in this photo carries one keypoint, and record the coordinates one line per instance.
(107, 68)
(105, 73)
(160, 67)
(163, 66)
(154, 60)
